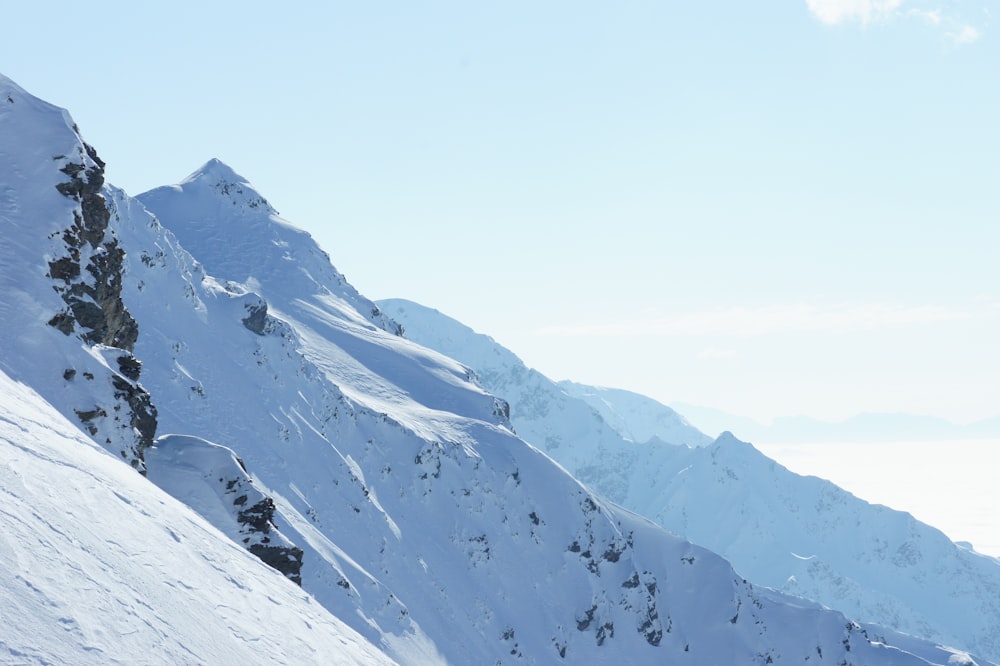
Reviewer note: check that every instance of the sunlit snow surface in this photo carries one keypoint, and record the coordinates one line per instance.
(428, 526)
(801, 535)
(100, 567)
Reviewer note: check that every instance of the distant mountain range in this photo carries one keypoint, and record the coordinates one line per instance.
(861, 427)
(798, 534)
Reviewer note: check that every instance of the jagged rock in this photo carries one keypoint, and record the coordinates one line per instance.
(89, 280)
(94, 303)
(129, 366)
(143, 412)
(287, 560)
(256, 319)
(248, 516)
(258, 517)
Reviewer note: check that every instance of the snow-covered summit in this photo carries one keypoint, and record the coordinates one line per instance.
(36, 118)
(238, 236)
(218, 176)
(60, 273)
(216, 172)
(100, 566)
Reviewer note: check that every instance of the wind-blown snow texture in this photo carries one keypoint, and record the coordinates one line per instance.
(100, 567)
(425, 524)
(801, 535)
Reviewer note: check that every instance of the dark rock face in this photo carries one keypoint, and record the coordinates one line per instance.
(94, 302)
(286, 560)
(143, 412)
(89, 280)
(87, 416)
(129, 366)
(256, 319)
(394, 327)
(258, 517)
(257, 522)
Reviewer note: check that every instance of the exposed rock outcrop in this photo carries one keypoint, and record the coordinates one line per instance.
(256, 319)
(191, 468)
(88, 277)
(94, 303)
(257, 522)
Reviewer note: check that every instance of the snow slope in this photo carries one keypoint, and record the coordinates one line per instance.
(636, 417)
(101, 567)
(806, 536)
(588, 439)
(539, 402)
(797, 534)
(360, 436)
(424, 523)
(55, 256)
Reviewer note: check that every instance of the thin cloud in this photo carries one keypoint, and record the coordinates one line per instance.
(929, 16)
(771, 320)
(835, 12)
(966, 35)
(937, 14)
(715, 353)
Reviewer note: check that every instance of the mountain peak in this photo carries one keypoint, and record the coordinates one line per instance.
(219, 217)
(215, 170)
(6, 83)
(10, 90)
(218, 176)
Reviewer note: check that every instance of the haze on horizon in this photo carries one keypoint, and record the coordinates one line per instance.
(769, 210)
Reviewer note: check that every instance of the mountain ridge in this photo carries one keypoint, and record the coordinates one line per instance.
(427, 527)
(778, 529)
(865, 426)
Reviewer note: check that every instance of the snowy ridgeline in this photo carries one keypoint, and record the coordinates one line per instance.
(308, 432)
(801, 535)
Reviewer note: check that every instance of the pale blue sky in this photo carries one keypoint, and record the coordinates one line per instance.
(768, 208)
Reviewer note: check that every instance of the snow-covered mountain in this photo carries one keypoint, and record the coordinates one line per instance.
(636, 417)
(801, 535)
(101, 567)
(211, 346)
(868, 427)
(591, 438)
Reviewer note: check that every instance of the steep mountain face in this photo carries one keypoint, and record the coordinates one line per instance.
(797, 534)
(101, 567)
(541, 404)
(807, 537)
(302, 426)
(68, 275)
(637, 418)
(214, 479)
(590, 438)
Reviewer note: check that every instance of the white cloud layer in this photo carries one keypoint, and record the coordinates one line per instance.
(770, 320)
(834, 12)
(934, 13)
(966, 35)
